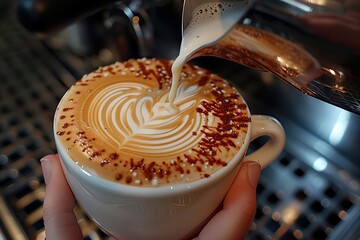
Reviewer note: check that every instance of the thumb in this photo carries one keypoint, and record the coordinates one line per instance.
(235, 219)
(242, 194)
(59, 218)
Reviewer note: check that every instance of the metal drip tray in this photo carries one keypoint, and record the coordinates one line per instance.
(304, 194)
(296, 201)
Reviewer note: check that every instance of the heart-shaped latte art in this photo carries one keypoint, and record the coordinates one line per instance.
(131, 117)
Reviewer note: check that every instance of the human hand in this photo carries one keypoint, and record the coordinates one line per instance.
(233, 221)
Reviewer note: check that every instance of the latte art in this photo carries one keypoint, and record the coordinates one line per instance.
(130, 117)
(115, 122)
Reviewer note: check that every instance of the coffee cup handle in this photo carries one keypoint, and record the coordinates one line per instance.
(263, 125)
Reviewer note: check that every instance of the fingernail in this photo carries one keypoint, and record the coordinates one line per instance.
(46, 168)
(253, 173)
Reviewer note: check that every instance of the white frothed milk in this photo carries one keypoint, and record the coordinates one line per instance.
(210, 21)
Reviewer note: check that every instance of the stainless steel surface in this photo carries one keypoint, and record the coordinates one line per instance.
(312, 191)
(332, 30)
(311, 46)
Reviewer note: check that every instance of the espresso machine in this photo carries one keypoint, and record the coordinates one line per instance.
(311, 191)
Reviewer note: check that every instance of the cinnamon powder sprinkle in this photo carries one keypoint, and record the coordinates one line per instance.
(114, 156)
(128, 179)
(67, 109)
(104, 162)
(118, 176)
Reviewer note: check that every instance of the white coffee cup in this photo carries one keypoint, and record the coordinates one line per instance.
(174, 211)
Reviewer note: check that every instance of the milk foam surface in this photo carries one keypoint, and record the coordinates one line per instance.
(113, 122)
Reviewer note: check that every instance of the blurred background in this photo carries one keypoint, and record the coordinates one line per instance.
(310, 192)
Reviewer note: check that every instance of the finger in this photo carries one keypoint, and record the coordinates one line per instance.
(59, 218)
(235, 219)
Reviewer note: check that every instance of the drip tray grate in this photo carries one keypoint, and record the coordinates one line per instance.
(295, 201)
(32, 83)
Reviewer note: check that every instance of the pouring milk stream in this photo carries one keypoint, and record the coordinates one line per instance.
(209, 22)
